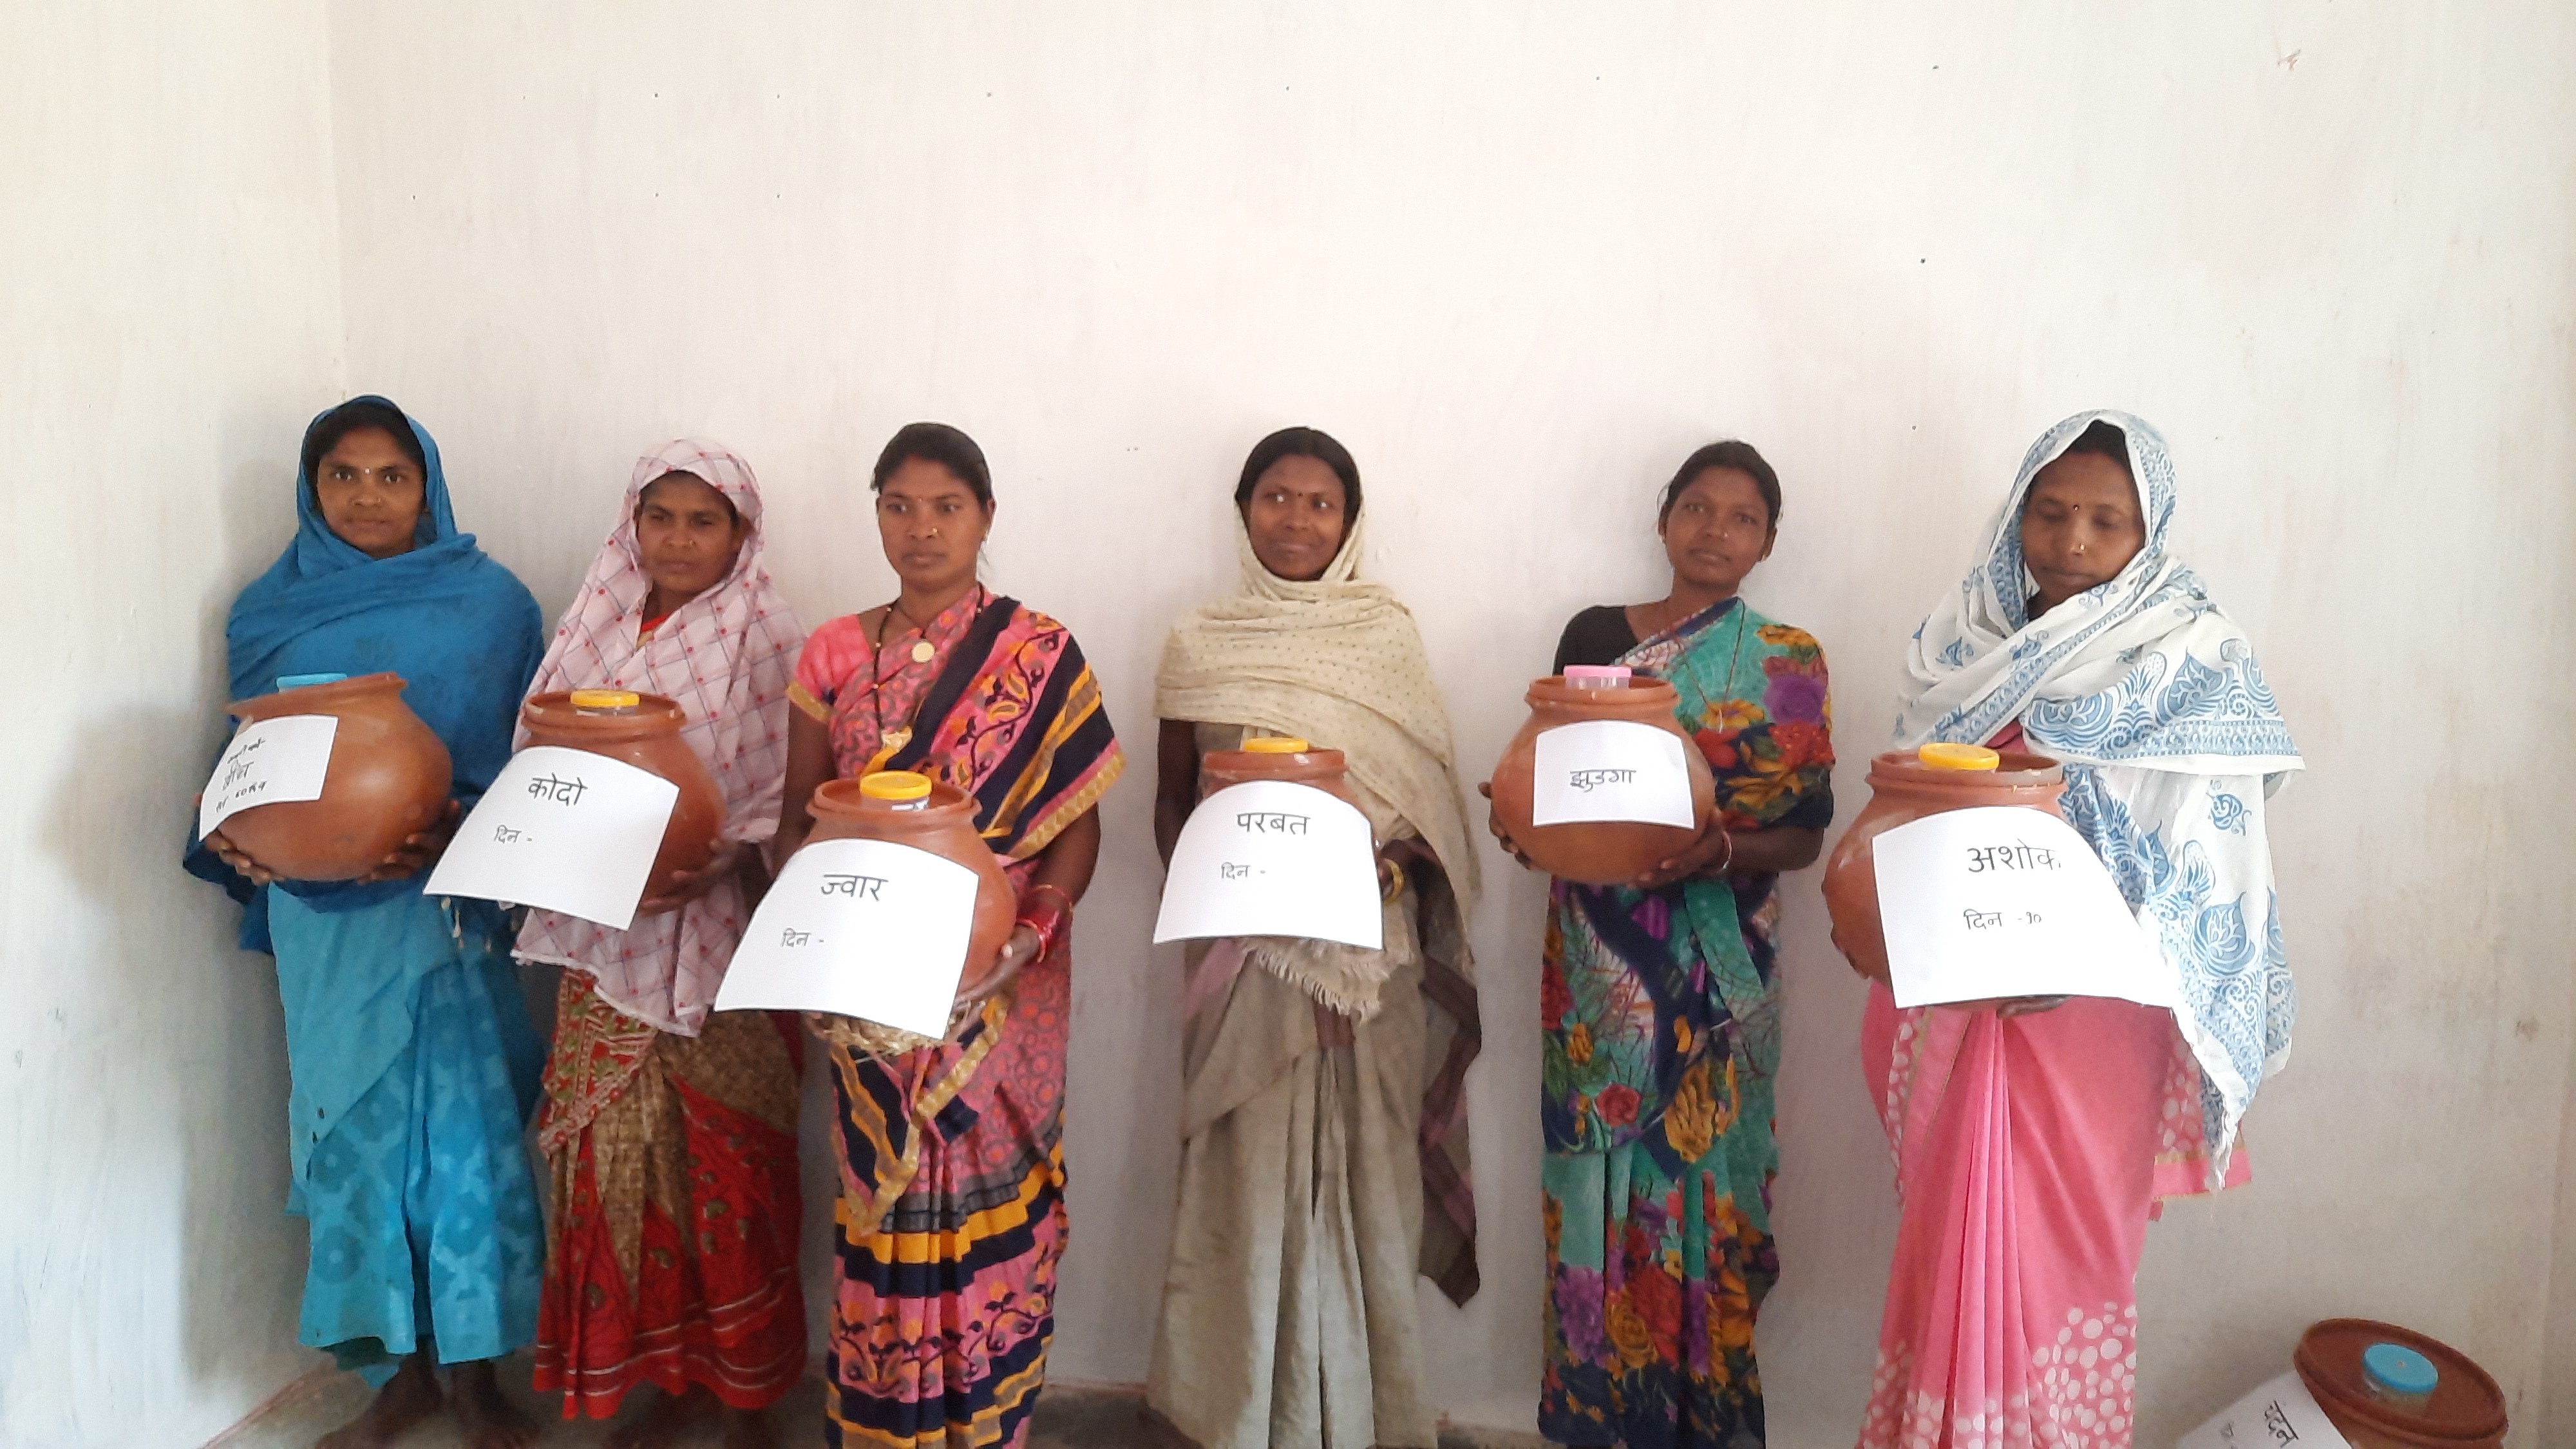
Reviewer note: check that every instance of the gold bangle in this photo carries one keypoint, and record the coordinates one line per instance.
(1395, 880)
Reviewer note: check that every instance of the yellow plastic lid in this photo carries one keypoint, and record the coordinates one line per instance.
(605, 699)
(895, 785)
(1958, 757)
(1275, 745)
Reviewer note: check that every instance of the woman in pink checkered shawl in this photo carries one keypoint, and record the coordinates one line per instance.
(661, 1119)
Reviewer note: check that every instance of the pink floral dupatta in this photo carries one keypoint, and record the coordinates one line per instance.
(727, 656)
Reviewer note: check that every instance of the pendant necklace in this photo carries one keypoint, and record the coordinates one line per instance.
(889, 741)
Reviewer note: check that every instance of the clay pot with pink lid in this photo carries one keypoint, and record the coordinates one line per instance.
(388, 780)
(1596, 852)
(1905, 786)
(642, 730)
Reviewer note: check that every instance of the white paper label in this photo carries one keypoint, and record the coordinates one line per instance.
(1270, 858)
(863, 928)
(268, 762)
(2004, 900)
(1610, 769)
(2280, 1415)
(562, 829)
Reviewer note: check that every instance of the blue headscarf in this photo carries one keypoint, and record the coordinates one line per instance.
(460, 629)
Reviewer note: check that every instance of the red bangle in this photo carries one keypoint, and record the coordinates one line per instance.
(1050, 922)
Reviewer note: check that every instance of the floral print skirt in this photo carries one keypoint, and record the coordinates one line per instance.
(1654, 1282)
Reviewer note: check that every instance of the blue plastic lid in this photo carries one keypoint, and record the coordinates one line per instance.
(286, 682)
(2399, 1369)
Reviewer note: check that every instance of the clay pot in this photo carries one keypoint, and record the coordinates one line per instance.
(1276, 757)
(1606, 852)
(388, 780)
(939, 819)
(642, 730)
(1904, 786)
(2466, 1410)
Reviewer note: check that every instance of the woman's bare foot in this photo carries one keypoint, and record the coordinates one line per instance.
(748, 1429)
(410, 1396)
(663, 1420)
(489, 1420)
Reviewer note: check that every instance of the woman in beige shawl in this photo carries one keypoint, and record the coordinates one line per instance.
(1324, 1158)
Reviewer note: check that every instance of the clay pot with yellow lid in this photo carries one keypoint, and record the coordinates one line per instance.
(1596, 852)
(1276, 757)
(388, 780)
(1905, 786)
(905, 808)
(642, 730)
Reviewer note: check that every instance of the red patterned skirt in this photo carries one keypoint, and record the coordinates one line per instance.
(672, 1255)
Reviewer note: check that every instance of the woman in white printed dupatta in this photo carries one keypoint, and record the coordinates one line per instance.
(2034, 1138)
(671, 1133)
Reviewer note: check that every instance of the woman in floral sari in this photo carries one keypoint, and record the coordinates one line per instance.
(951, 1217)
(660, 1116)
(2033, 1138)
(1659, 1008)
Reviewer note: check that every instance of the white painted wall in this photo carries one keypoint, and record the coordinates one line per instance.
(1520, 257)
(169, 316)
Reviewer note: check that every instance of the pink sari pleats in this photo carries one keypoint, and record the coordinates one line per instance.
(2026, 1153)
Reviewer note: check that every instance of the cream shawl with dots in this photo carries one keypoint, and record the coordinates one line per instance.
(1339, 662)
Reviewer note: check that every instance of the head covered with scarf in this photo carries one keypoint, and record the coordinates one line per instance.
(726, 656)
(1340, 662)
(2152, 698)
(460, 629)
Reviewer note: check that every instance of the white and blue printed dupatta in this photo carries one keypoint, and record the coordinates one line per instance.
(2152, 699)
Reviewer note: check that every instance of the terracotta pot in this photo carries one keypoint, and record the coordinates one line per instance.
(940, 820)
(1276, 757)
(388, 780)
(1905, 787)
(2466, 1409)
(1597, 852)
(642, 730)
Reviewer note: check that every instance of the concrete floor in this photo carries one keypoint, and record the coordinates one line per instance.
(1070, 1416)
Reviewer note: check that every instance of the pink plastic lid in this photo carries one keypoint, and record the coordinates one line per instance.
(1597, 673)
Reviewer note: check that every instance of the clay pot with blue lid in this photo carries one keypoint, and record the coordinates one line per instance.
(388, 780)
(2387, 1387)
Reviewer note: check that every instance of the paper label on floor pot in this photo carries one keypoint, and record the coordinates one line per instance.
(1610, 769)
(565, 830)
(2005, 900)
(1272, 858)
(2280, 1415)
(863, 928)
(269, 761)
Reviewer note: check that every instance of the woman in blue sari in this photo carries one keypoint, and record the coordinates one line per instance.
(1659, 1006)
(413, 1061)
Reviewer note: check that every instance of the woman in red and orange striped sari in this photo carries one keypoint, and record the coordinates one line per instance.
(952, 1217)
